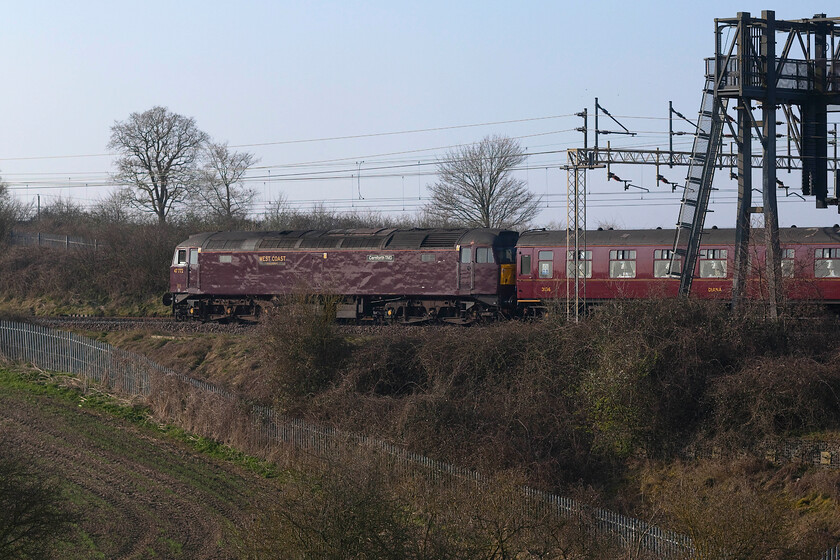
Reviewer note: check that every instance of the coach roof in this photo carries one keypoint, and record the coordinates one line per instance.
(665, 237)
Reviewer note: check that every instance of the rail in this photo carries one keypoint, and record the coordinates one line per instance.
(133, 374)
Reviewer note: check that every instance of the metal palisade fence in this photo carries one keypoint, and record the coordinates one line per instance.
(133, 374)
(53, 241)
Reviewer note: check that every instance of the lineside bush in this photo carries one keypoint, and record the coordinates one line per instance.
(302, 350)
(566, 401)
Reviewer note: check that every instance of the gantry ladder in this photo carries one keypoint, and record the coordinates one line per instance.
(698, 186)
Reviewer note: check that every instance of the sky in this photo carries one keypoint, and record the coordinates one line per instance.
(351, 104)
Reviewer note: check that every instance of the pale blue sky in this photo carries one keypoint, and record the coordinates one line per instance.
(280, 72)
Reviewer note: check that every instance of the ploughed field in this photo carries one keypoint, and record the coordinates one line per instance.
(134, 491)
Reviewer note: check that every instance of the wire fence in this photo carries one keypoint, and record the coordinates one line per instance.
(132, 374)
(819, 453)
(53, 241)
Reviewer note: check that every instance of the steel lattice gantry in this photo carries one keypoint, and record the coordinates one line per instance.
(749, 75)
(804, 80)
(575, 232)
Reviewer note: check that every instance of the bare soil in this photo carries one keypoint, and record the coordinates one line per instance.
(137, 492)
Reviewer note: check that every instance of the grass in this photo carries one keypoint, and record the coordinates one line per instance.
(55, 385)
(136, 488)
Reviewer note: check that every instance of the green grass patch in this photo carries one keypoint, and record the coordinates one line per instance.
(55, 385)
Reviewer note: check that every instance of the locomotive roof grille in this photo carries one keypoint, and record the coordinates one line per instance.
(362, 242)
(224, 244)
(442, 239)
(319, 242)
(407, 239)
(278, 243)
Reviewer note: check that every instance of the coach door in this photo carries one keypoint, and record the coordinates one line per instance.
(192, 271)
(524, 276)
(466, 279)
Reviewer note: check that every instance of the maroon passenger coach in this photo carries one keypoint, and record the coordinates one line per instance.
(453, 275)
(634, 264)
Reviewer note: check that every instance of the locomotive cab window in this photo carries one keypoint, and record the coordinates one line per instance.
(622, 263)
(506, 256)
(827, 263)
(193, 256)
(661, 262)
(546, 264)
(483, 255)
(584, 264)
(180, 257)
(525, 265)
(466, 255)
(713, 263)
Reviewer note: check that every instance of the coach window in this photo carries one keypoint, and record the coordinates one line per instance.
(787, 262)
(546, 264)
(181, 256)
(193, 256)
(584, 264)
(466, 255)
(622, 263)
(661, 262)
(483, 255)
(827, 263)
(525, 265)
(713, 263)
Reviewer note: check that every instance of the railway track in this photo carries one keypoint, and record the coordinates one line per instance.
(170, 325)
(167, 324)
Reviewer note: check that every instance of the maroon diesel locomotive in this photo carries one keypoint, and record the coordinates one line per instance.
(634, 264)
(452, 275)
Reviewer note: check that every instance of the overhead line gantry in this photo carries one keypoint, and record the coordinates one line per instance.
(803, 80)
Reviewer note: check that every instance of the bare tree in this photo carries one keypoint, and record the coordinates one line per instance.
(475, 187)
(219, 186)
(11, 210)
(282, 215)
(7, 216)
(116, 207)
(159, 153)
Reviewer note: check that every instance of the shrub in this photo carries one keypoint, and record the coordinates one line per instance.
(771, 398)
(728, 513)
(31, 515)
(302, 349)
(363, 509)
